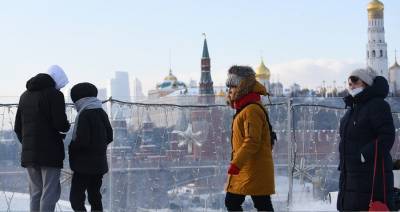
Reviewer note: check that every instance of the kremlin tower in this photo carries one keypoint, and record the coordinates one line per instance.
(206, 88)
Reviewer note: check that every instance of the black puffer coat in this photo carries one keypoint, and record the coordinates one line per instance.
(368, 119)
(39, 120)
(87, 153)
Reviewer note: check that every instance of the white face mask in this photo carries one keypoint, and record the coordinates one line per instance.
(355, 91)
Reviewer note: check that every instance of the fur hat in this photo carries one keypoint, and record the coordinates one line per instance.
(82, 90)
(237, 73)
(242, 77)
(366, 75)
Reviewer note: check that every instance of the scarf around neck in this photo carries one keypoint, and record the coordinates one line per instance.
(84, 104)
(249, 98)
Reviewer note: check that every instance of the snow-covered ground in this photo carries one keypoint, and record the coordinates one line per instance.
(302, 199)
(304, 202)
(302, 196)
(10, 201)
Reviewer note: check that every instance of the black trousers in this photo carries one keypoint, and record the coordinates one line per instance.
(233, 202)
(82, 183)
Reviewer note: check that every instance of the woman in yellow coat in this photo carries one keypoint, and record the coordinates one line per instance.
(251, 171)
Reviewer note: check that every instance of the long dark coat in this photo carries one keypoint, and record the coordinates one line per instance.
(367, 120)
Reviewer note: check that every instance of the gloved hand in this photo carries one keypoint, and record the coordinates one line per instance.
(233, 169)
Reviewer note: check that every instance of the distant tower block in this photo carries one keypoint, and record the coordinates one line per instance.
(377, 48)
(206, 88)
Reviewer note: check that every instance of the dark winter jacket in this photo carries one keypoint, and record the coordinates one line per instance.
(87, 153)
(368, 119)
(40, 119)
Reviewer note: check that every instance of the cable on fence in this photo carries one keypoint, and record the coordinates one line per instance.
(177, 105)
(9, 105)
(329, 107)
(318, 105)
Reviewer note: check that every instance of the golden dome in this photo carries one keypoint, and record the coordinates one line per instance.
(375, 9)
(221, 93)
(375, 5)
(262, 72)
(170, 77)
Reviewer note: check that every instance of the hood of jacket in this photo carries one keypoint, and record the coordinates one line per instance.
(58, 75)
(40, 82)
(259, 89)
(246, 87)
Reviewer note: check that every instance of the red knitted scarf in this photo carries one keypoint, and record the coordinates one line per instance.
(249, 98)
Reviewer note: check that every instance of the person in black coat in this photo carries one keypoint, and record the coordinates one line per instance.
(87, 150)
(40, 125)
(367, 120)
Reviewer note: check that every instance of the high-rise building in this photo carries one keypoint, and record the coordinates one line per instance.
(102, 94)
(377, 48)
(137, 90)
(119, 86)
(67, 96)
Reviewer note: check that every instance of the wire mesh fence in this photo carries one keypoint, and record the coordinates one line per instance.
(175, 157)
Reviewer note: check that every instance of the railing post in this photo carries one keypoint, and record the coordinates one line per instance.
(290, 156)
(110, 151)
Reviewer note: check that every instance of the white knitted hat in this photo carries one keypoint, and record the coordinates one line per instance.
(367, 75)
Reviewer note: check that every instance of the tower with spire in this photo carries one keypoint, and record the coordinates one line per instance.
(206, 88)
(377, 48)
(394, 77)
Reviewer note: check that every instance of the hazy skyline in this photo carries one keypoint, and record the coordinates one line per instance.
(301, 41)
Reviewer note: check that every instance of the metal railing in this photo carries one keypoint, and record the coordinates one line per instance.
(146, 158)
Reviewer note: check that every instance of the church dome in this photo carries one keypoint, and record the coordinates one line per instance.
(262, 72)
(394, 72)
(375, 9)
(394, 78)
(395, 66)
(171, 82)
(375, 5)
(170, 77)
(221, 93)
